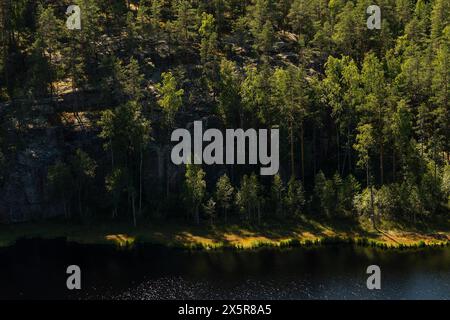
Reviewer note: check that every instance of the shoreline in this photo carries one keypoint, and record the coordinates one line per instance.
(221, 237)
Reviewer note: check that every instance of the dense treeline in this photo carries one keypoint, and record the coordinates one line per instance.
(363, 114)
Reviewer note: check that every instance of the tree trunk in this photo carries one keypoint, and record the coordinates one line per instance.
(381, 164)
(80, 211)
(314, 151)
(259, 213)
(167, 180)
(372, 209)
(112, 154)
(349, 150)
(393, 165)
(140, 182)
(65, 209)
(292, 151)
(134, 208)
(338, 149)
(197, 216)
(343, 164)
(302, 147)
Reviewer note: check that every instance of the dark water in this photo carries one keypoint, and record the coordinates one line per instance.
(36, 269)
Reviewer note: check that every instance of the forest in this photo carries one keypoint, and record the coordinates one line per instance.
(364, 116)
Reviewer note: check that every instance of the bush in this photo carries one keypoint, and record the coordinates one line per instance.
(334, 197)
(295, 198)
(446, 183)
(361, 202)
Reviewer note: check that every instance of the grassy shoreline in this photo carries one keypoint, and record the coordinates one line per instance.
(231, 236)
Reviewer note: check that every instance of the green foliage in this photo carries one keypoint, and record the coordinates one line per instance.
(364, 142)
(60, 184)
(210, 210)
(224, 194)
(126, 132)
(291, 100)
(116, 183)
(248, 197)
(195, 188)
(255, 95)
(71, 182)
(209, 48)
(370, 105)
(362, 203)
(229, 100)
(277, 195)
(83, 168)
(446, 183)
(295, 198)
(185, 23)
(335, 197)
(171, 98)
(261, 20)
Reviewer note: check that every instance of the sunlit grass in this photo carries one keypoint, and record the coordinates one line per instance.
(121, 240)
(235, 236)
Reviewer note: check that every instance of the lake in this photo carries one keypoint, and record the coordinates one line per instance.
(36, 269)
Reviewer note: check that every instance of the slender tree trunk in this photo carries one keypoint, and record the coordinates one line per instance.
(197, 216)
(79, 201)
(112, 154)
(349, 149)
(167, 181)
(393, 165)
(434, 160)
(314, 151)
(367, 175)
(343, 164)
(302, 147)
(140, 182)
(129, 202)
(381, 164)
(338, 149)
(134, 208)
(259, 213)
(51, 78)
(372, 209)
(65, 209)
(292, 150)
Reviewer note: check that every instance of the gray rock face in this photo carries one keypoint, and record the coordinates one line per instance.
(22, 196)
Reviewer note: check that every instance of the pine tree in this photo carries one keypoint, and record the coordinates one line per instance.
(127, 133)
(195, 187)
(375, 107)
(60, 185)
(229, 103)
(210, 210)
(83, 171)
(185, 19)
(170, 98)
(290, 97)
(365, 142)
(295, 197)
(261, 21)
(255, 96)
(208, 48)
(224, 195)
(277, 195)
(48, 32)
